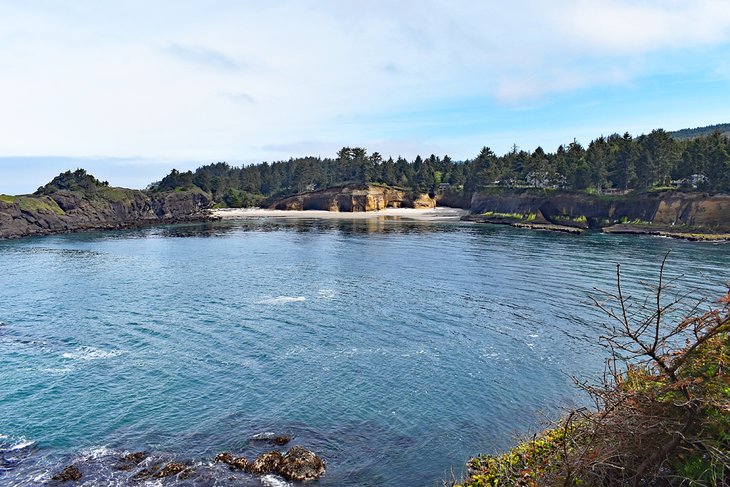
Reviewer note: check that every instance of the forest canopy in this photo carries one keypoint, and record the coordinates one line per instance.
(617, 163)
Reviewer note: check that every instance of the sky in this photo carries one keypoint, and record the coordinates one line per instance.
(128, 90)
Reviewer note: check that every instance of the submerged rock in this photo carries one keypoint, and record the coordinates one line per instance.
(236, 463)
(281, 440)
(265, 463)
(130, 460)
(135, 457)
(172, 468)
(301, 464)
(69, 473)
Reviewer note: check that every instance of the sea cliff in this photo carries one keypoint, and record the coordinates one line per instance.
(671, 213)
(53, 210)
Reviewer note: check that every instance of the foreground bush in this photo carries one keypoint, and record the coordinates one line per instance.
(662, 411)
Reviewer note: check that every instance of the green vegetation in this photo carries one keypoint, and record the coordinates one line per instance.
(7, 199)
(663, 415)
(513, 216)
(636, 221)
(42, 204)
(79, 181)
(618, 163)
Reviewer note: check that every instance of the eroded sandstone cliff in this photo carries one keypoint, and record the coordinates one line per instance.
(354, 199)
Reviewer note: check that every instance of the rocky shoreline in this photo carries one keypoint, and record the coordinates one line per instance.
(296, 464)
(673, 214)
(691, 234)
(107, 209)
(75, 202)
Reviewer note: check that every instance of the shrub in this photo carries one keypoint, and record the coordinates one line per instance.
(662, 411)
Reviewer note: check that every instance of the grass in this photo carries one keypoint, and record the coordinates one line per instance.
(41, 204)
(7, 198)
(120, 195)
(636, 221)
(512, 216)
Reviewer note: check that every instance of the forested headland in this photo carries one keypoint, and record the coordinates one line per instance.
(616, 163)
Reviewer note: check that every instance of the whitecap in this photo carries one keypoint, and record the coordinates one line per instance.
(282, 300)
(326, 293)
(91, 353)
(57, 370)
(96, 452)
(266, 435)
(274, 481)
(14, 444)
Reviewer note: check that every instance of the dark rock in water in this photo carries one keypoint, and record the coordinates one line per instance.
(237, 463)
(224, 457)
(68, 473)
(265, 463)
(145, 473)
(135, 457)
(172, 468)
(130, 460)
(276, 440)
(301, 464)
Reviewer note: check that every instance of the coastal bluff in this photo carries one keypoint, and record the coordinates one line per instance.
(650, 212)
(354, 199)
(77, 202)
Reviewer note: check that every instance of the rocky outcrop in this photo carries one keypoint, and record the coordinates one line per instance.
(108, 208)
(672, 209)
(296, 464)
(301, 464)
(67, 474)
(354, 199)
(265, 463)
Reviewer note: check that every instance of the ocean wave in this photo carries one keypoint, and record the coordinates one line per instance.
(282, 300)
(9, 444)
(91, 353)
(57, 370)
(96, 452)
(266, 435)
(13, 450)
(326, 293)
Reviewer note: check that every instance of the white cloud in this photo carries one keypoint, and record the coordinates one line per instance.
(227, 79)
(622, 27)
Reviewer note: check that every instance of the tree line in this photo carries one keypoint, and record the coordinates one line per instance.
(615, 163)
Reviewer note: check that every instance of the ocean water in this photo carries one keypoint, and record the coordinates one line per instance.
(394, 350)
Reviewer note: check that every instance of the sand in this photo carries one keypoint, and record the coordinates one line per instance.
(432, 214)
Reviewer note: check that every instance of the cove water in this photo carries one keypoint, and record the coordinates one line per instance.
(394, 350)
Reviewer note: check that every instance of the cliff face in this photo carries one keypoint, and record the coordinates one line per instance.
(109, 208)
(354, 199)
(593, 211)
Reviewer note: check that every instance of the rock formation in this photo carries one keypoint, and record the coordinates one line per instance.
(671, 209)
(354, 199)
(63, 211)
(69, 473)
(301, 464)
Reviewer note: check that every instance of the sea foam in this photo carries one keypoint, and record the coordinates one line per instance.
(274, 481)
(8, 444)
(90, 353)
(282, 300)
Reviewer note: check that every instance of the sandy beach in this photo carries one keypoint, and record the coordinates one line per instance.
(431, 214)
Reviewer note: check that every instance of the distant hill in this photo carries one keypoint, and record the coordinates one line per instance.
(687, 134)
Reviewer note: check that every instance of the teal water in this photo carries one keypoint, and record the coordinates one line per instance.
(394, 350)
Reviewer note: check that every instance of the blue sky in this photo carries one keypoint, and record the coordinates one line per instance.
(129, 90)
